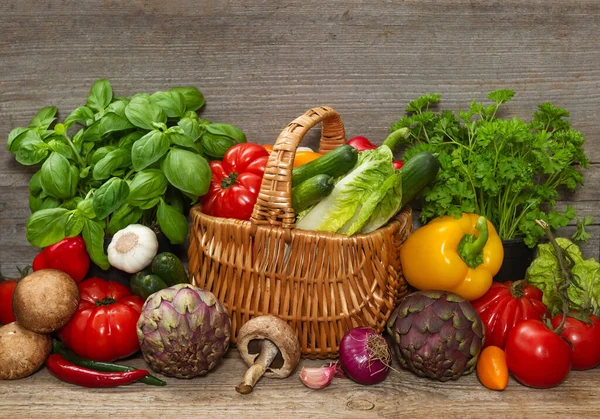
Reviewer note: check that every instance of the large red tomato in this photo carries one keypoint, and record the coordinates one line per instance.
(584, 339)
(235, 182)
(7, 288)
(104, 328)
(504, 305)
(536, 355)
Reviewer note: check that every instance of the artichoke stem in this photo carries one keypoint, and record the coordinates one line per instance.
(268, 352)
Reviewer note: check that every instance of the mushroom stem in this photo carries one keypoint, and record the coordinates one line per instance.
(268, 352)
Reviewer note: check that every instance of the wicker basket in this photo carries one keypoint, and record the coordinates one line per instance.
(322, 284)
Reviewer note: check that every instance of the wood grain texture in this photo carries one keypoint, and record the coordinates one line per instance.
(260, 64)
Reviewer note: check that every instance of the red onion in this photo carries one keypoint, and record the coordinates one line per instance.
(365, 355)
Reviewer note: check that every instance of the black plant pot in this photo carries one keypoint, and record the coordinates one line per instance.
(114, 274)
(517, 258)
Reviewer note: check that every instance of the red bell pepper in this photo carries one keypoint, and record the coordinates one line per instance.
(68, 255)
(74, 374)
(235, 182)
(362, 143)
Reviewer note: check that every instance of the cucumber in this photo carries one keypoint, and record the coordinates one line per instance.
(417, 173)
(169, 268)
(144, 284)
(334, 163)
(311, 191)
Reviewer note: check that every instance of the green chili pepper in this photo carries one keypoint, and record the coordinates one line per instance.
(60, 348)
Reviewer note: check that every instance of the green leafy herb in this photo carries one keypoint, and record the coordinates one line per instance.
(116, 168)
(506, 169)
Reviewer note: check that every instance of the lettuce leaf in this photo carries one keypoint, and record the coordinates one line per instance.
(544, 273)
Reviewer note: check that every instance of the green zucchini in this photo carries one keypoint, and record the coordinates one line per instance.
(311, 191)
(335, 163)
(417, 173)
(169, 268)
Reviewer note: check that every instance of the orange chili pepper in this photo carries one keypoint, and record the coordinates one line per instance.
(302, 157)
(491, 368)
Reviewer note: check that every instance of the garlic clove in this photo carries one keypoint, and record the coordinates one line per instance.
(317, 378)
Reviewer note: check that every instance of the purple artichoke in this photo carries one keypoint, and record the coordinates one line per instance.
(436, 334)
(183, 331)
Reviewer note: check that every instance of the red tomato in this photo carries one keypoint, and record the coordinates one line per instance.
(7, 288)
(104, 328)
(584, 339)
(235, 182)
(504, 305)
(537, 356)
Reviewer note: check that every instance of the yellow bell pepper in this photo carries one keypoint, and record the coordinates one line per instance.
(456, 255)
(303, 155)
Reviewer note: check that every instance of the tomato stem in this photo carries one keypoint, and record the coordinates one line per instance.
(106, 301)
(229, 181)
(517, 288)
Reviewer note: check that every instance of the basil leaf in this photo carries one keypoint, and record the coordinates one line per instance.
(35, 183)
(13, 135)
(47, 226)
(56, 176)
(216, 146)
(114, 160)
(100, 153)
(172, 102)
(26, 135)
(60, 147)
(187, 171)
(176, 135)
(74, 180)
(193, 98)
(92, 133)
(86, 208)
(74, 225)
(79, 115)
(118, 107)
(100, 95)
(148, 149)
(128, 140)
(124, 216)
(226, 130)
(32, 150)
(111, 122)
(93, 236)
(149, 203)
(141, 112)
(72, 203)
(172, 223)
(38, 203)
(85, 172)
(44, 118)
(191, 128)
(109, 197)
(147, 183)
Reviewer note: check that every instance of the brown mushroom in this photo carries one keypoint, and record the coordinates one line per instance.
(269, 347)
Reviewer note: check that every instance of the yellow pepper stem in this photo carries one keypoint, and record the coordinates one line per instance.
(470, 247)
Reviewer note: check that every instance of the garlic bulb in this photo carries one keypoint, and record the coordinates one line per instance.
(132, 248)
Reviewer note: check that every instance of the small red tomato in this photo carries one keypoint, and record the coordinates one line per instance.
(584, 339)
(7, 288)
(536, 355)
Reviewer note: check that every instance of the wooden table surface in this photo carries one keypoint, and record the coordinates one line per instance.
(260, 64)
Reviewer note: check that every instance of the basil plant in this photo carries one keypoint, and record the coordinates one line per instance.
(139, 159)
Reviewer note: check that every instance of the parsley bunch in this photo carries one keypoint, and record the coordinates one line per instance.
(505, 169)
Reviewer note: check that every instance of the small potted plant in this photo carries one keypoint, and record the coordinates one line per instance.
(508, 170)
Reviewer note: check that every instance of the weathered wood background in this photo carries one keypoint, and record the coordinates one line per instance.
(262, 63)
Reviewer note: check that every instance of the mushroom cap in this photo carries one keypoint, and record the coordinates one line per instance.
(277, 331)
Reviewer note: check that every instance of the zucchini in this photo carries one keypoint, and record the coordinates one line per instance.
(335, 163)
(417, 173)
(169, 268)
(311, 191)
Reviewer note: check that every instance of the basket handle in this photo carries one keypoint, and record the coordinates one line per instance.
(274, 203)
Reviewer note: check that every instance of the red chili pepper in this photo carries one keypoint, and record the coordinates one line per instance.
(68, 255)
(362, 143)
(73, 374)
